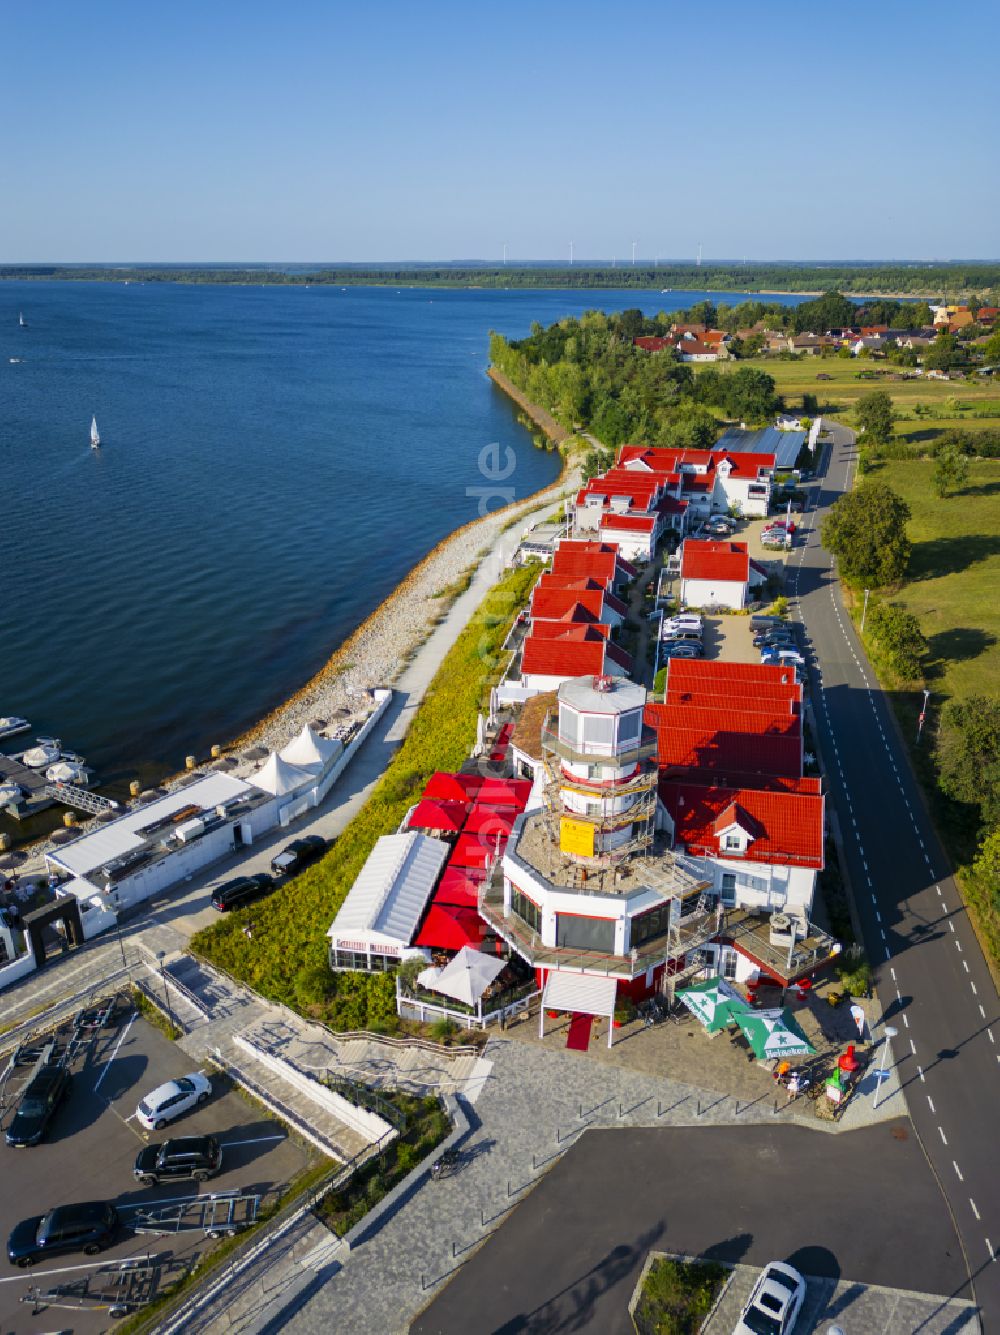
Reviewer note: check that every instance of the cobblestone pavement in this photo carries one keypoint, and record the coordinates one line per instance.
(854, 1307)
(533, 1107)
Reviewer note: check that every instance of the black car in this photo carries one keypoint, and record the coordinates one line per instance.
(294, 856)
(88, 1227)
(39, 1100)
(197, 1157)
(234, 894)
(760, 641)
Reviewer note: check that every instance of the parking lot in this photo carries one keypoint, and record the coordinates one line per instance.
(88, 1154)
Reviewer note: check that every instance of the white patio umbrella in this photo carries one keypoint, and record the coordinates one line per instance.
(480, 734)
(466, 977)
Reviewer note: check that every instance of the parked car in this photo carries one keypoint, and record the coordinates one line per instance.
(765, 638)
(672, 634)
(233, 894)
(683, 650)
(88, 1227)
(171, 1100)
(721, 526)
(783, 657)
(683, 621)
(760, 620)
(775, 1303)
(294, 856)
(195, 1157)
(39, 1100)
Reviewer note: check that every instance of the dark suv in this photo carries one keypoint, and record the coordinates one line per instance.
(197, 1157)
(234, 894)
(88, 1227)
(294, 856)
(39, 1100)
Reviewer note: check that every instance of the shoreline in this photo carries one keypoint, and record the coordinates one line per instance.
(377, 651)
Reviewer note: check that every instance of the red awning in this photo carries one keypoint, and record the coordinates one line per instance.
(486, 819)
(444, 816)
(475, 850)
(505, 792)
(453, 787)
(448, 927)
(459, 886)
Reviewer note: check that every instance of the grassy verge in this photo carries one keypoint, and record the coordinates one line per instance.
(286, 959)
(154, 1014)
(677, 1296)
(427, 1126)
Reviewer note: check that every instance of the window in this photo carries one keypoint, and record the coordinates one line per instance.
(585, 933)
(729, 888)
(599, 729)
(728, 963)
(650, 925)
(569, 727)
(629, 726)
(526, 910)
(734, 841)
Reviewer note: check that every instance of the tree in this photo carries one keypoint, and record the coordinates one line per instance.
(875, 417)
(749, 394)
(898, 634)
(951, 470)
(866, 531)
(596, 462)
(942, 354)
(987, 866)
(991, 349)
(968, 754)
(830, 311)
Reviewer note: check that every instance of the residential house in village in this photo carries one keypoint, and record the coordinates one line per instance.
(718, 574)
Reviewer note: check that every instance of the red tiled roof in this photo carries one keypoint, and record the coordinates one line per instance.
(786, 827)
(662, 459)
(572, 630)
(629, 523)
(763, 783)
(713, 745)
(581, 583)
(715, 560)
(715, 675)
(733, 718)
(557, 658)
(652, 343)
(549, 603)
(764, 699)
(693, 347)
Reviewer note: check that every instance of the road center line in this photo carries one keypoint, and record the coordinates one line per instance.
(974, 1210)
(930, 1104)
(944, 1138)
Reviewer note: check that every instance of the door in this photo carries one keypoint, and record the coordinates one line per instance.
(728, 963)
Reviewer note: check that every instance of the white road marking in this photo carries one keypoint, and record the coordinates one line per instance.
(965, 965)
(114, 1054)
(973, 986)
(67, 1269)
(256, 1140)
(989, 1248)
(906, 1022)
(989, 1035)
(958, 945)
(957, 1170)
(943, 1136)
(893, 973)
(974, 1210)
(951, 926)
(913, 1049)
(931, 1104)
(983, 1014)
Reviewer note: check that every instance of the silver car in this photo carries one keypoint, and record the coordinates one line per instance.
(775, 1302)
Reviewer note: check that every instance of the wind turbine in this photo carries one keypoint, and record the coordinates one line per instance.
(571, 252)
(699, 254)
(634, 244)
(505, 252)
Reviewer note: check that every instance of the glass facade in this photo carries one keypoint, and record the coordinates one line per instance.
(356, 959)
(585, 933)
(650, 925)
(526, 910)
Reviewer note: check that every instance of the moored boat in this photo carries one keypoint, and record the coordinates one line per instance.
(10, 725)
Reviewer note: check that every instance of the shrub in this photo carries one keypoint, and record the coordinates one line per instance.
(677, 1296)
(899, 637)
(968, 754)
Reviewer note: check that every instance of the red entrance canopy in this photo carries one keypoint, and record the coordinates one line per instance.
(448, 927)
(448, 817)
(484, 819)
(459, 886)
(453, 787)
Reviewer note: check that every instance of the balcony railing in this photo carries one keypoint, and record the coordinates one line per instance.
(626, 754)
(752, 933)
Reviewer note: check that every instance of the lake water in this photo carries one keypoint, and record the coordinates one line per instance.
(273, 462)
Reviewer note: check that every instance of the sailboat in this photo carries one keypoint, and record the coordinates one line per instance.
(21, 320)
(95, 438)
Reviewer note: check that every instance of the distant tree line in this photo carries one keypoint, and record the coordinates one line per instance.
(588, 373)
(918, 279)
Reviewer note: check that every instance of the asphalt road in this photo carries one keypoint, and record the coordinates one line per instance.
(932, 980)
(569, 1257)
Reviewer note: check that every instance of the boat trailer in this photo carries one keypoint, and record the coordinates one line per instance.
(115, 1289)
(220, 1215)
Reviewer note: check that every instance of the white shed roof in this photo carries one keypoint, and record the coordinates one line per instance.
(110, 841)
(387, 900)
(589, 994)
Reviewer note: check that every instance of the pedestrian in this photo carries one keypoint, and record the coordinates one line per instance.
(248, 931)
(792, 1086)
(781, 1071)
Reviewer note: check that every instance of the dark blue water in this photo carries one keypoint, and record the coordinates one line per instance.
(274, 461)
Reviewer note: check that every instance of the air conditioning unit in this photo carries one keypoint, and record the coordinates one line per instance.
(782, 929)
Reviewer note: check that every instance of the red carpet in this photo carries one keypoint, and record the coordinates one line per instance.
(578, 1037)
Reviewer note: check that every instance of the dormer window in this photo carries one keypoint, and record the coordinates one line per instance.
(734, 842)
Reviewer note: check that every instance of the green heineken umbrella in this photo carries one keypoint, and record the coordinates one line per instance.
(714, 1002)
(773, 1034)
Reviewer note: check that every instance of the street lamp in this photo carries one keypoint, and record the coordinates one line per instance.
(888, 1032)
(923, 716)
(864, 611)
(160, 957)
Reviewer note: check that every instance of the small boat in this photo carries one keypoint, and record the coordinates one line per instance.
(10, 795)
(68, 772)
(16, 361)
(11, 725)
(95, 436)
(21, 320)
(41, 756)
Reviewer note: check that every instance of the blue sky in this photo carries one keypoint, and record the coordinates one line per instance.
(327, 131)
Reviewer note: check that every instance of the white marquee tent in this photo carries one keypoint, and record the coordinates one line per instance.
(277, 776)
(310, 751)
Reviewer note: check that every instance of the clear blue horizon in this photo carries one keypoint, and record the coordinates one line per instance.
(428, 134)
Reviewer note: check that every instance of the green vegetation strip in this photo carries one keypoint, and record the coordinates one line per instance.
(677, 1296)
(150, 1011)
(287, 958)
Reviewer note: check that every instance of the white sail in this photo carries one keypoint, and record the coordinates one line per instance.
(95, 438)
(21, 320)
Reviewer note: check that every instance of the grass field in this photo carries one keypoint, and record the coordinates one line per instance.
(954, 573)
(949, 403)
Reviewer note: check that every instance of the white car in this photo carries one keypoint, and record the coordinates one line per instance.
(775, 1303)
(170, 1101)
